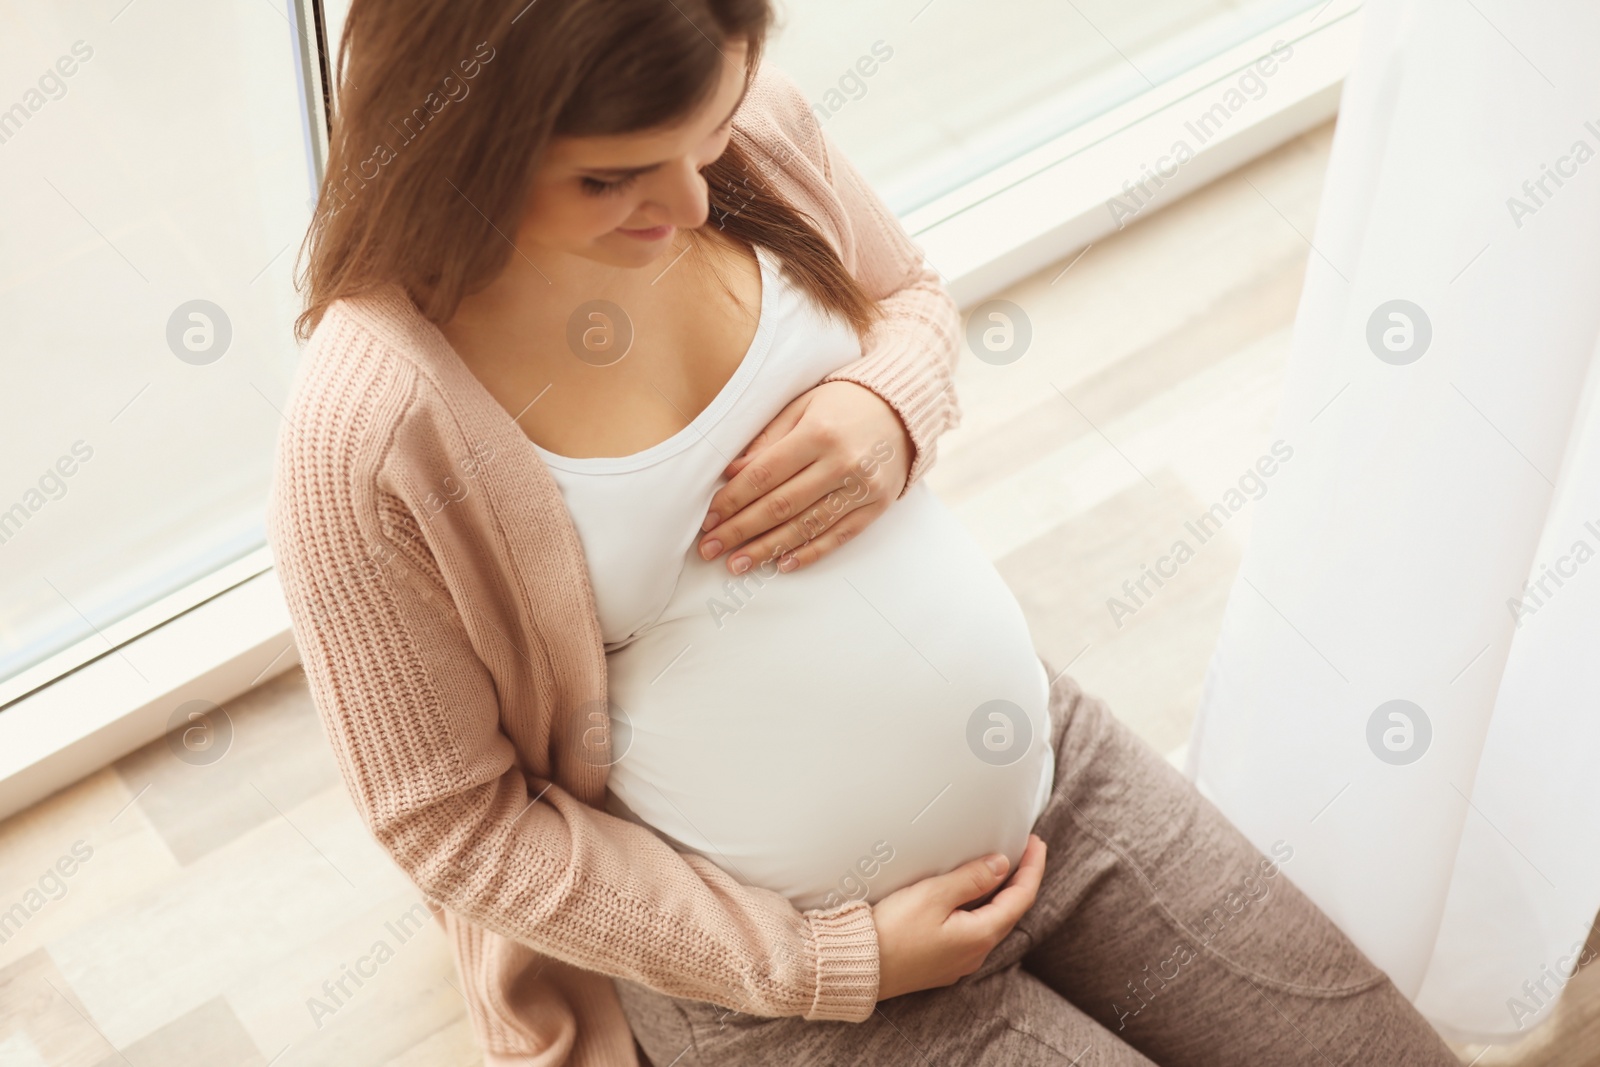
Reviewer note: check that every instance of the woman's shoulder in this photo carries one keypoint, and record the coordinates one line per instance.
(363, 344)
(378, 329)
(366, 394)
(777, 118)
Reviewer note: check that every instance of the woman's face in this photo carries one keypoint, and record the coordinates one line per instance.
(619, 199)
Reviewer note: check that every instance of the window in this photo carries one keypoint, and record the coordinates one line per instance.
(156, 170)
(925, 96)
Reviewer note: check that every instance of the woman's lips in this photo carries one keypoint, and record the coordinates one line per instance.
(654, 233)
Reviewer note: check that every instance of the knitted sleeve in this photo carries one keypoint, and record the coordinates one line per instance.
(909, 356)
(414, 720)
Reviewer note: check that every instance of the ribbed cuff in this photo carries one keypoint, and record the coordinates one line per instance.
(925, 403)
(847, 964)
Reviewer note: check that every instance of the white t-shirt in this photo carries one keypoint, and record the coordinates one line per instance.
(833, 733)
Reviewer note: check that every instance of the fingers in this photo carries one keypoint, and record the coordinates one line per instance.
(817, 525)
(781, 424)
(926, 939)
(996, 918)
(807, 484)
(745, 484)
(742, 460)
(967, 882)
(731, 521)
(831, 538)
(795, 511)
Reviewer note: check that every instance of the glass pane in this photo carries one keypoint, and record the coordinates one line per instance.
(925, 96)
(154, 164)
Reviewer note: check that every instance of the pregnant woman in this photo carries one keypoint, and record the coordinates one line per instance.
(642, 647)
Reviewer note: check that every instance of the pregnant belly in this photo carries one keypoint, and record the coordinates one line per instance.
(842, 731)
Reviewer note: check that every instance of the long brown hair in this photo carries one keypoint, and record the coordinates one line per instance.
(445, 108)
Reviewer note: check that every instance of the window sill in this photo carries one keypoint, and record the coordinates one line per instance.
(126, 698)
(1041, 207)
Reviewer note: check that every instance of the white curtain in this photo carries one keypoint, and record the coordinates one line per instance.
(1435, 538)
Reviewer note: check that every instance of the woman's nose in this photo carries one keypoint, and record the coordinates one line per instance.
(682, 191)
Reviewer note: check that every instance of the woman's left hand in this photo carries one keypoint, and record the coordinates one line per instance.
(822, 470)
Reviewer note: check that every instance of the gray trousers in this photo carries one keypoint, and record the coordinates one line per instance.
(1160, 936)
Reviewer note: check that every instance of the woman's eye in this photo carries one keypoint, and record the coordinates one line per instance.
(596, 187)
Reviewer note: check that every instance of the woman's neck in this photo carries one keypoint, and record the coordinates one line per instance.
(690, 318)
(535, 276)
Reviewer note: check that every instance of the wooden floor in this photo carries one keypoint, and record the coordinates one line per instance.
(209, 904)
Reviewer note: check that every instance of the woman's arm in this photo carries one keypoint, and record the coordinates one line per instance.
(910, 356)
(770, 501)
(414, 718)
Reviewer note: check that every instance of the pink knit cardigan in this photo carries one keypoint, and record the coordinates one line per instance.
(443, 610)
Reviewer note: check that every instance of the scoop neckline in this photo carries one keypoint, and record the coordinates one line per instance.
(710, 415)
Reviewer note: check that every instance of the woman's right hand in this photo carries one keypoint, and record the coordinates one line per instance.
(927, 940)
